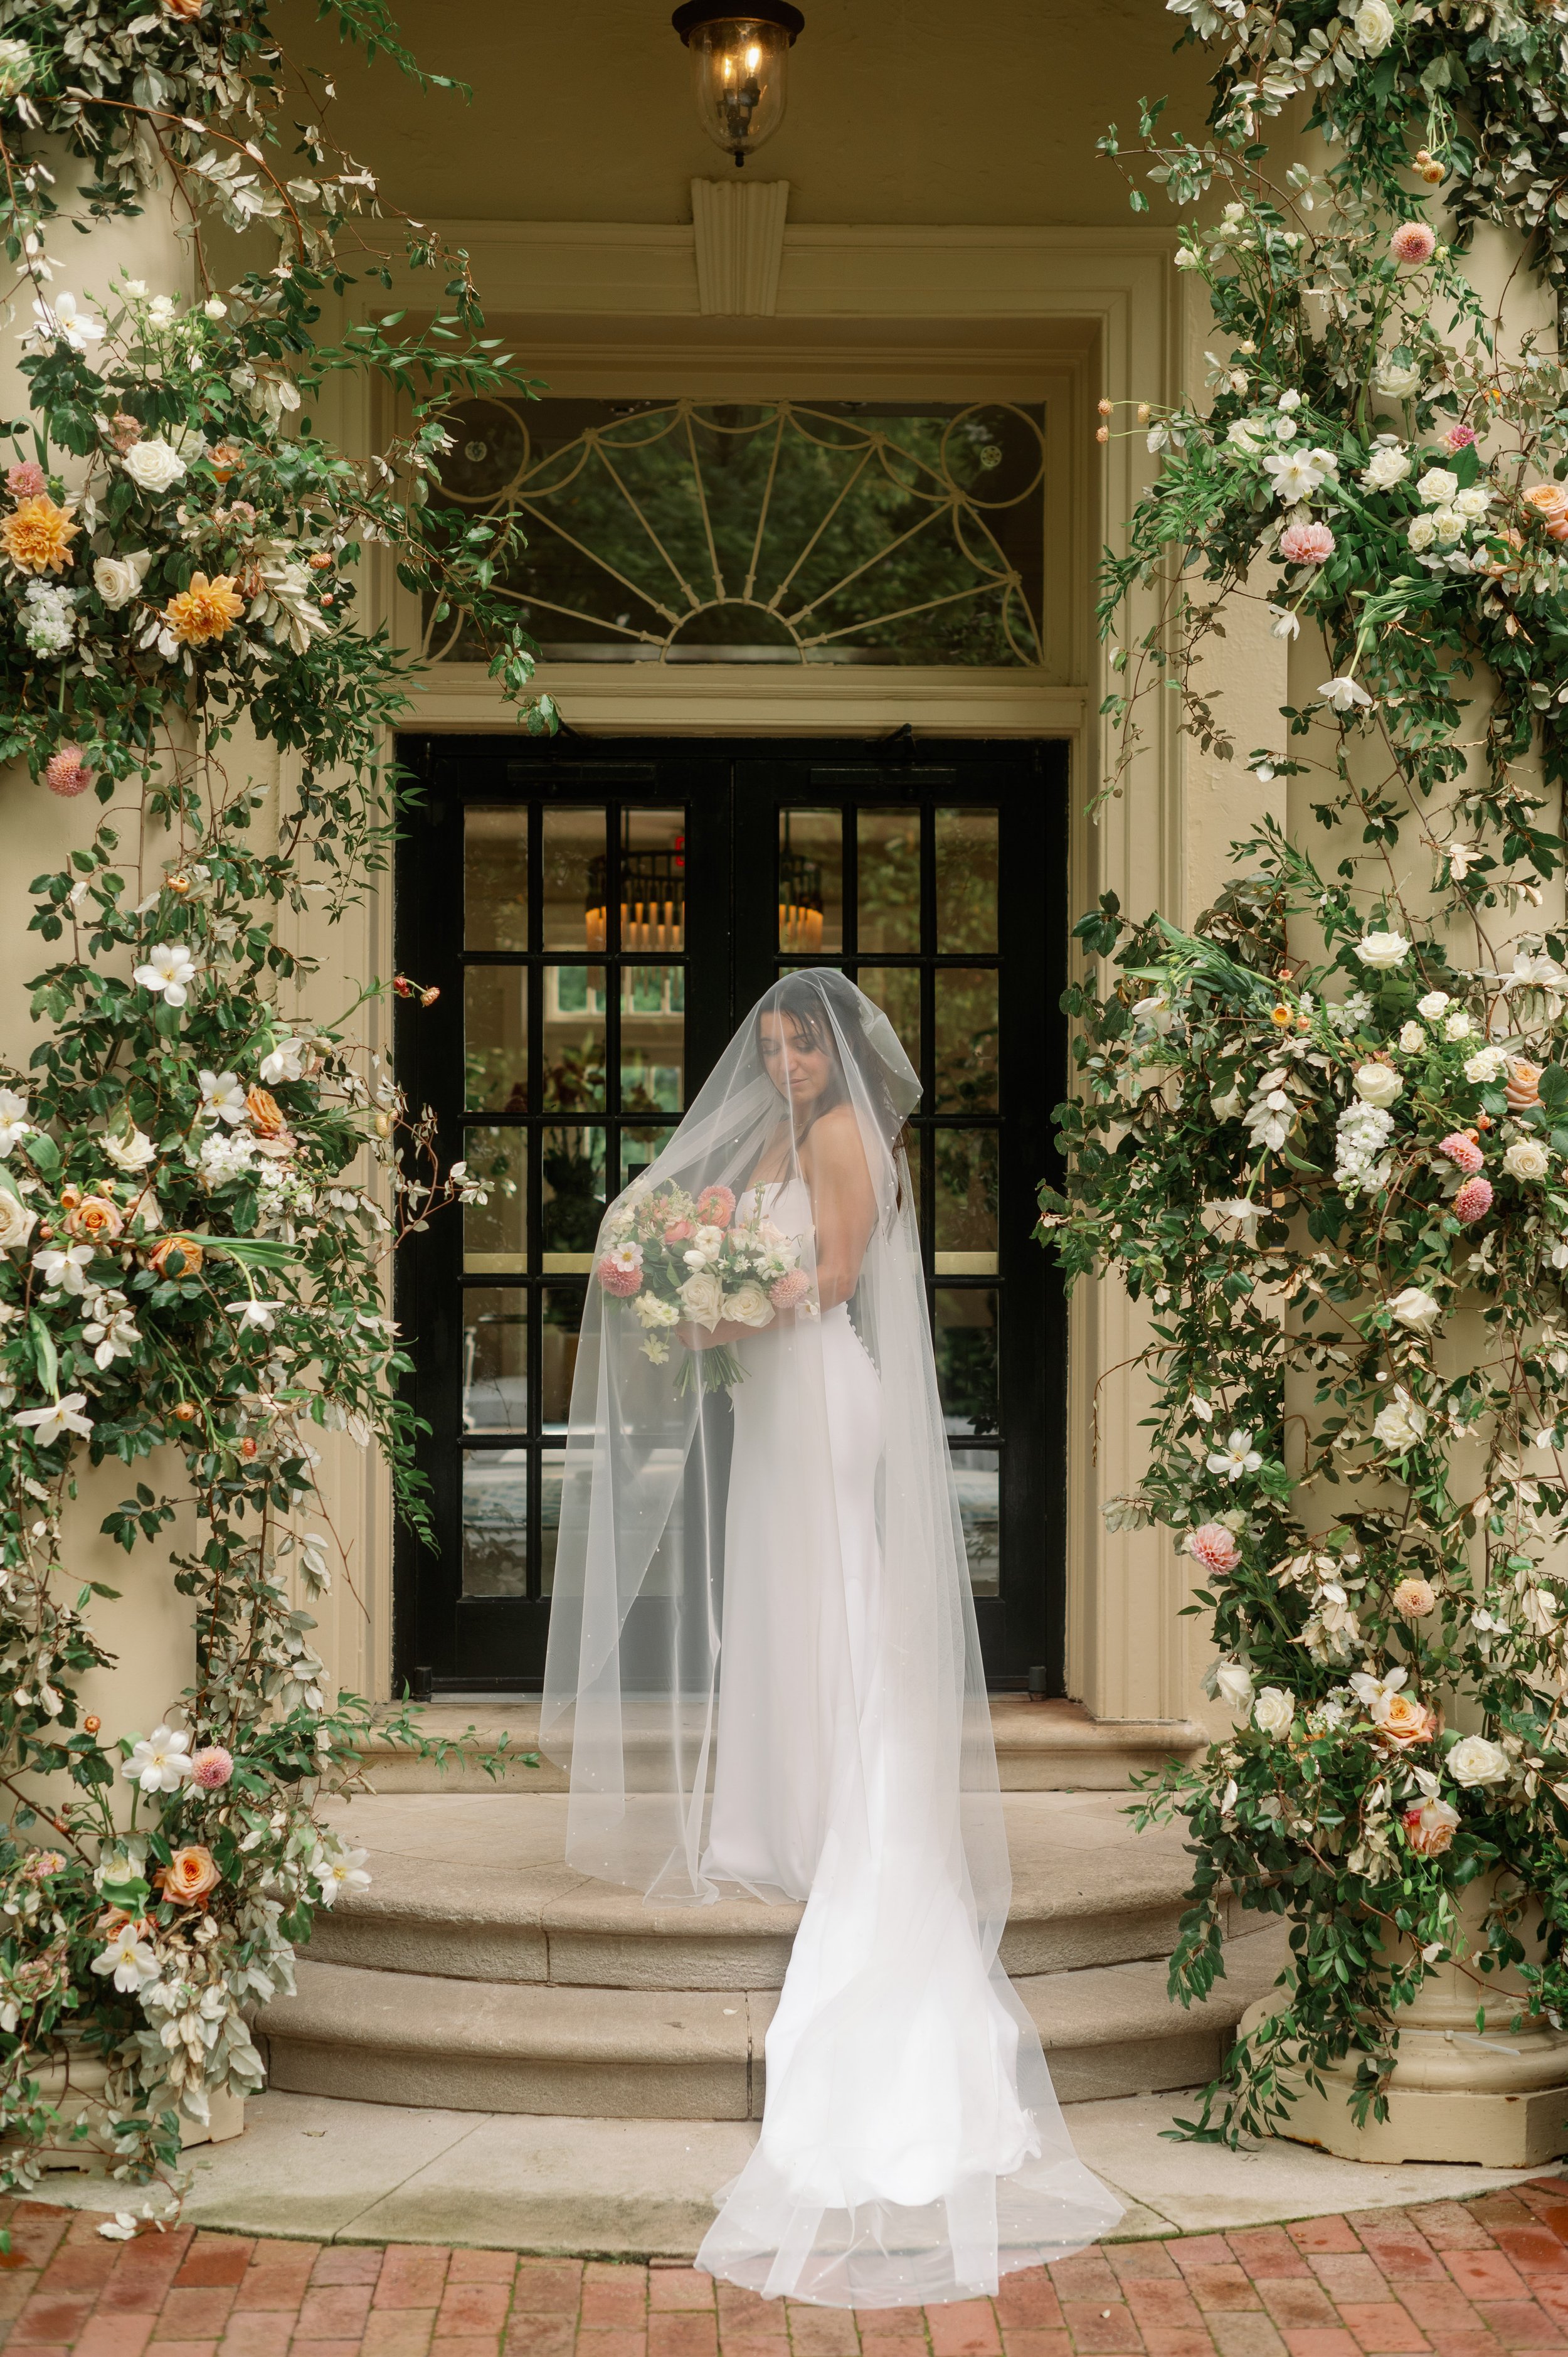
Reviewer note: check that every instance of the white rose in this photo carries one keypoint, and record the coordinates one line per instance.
(1273, 1710)
(1472, 503)
(1474, 1760)
(1402, 1424)
(1396, 378)
(1448, 526)
(1233, 1684)
(1374, 25)
(1488, 1064)
(1433, 1005)
(1386, 465)
(118, 578)
(1459, 1026)
(703, 1299)
(1526, 1159)
(1423, 533)
(1436, 488)
(1412, 1037)
(1378, 1084)
(1383, 949)
(749, 1306)
(153, 466)
(16, 1223)
(1416, 1309)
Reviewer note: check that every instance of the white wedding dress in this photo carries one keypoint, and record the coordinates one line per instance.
(764, 1673)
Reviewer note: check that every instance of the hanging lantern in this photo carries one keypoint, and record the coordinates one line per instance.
(652, 903)
(800, 904)
(740, 68)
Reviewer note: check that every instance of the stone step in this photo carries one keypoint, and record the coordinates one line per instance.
(1041, 1747)
(412, 2039)
(471, 1887)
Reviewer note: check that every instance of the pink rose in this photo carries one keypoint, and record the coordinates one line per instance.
(211, 1767)
(66, 771)
(1306, 543)
(1473, 1201)
(1215, 1547)
(26, 480)
(1412, 243)
(716, 1207)
(787, 1290)
(1429, 1828)
(1463, 1152)
(678, 1232)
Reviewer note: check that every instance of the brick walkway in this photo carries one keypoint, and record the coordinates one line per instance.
(1475, 2280)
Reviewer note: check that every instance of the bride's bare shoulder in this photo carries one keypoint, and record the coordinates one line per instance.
(834, 1137)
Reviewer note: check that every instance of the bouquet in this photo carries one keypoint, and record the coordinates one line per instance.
(682, 1260)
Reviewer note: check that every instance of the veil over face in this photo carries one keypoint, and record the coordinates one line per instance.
(911, 2148)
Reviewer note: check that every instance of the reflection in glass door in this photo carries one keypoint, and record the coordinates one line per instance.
(596, 928)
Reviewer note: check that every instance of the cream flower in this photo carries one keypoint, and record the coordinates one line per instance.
(16, 1223)
(1436, 488)
(1378, 1084)
(1375, 23)
(1381, 949)
(129, 1958)
(1527, 1160)
(1416, 1309)
(118, 578)
(1488, 1064)
(129, 1149)
(153, 466)
(1233, 1684)
(1237, 1456)
(1433, 1005)
(14, 1123)
(749, 1306)
(1402, 1424)
(1396, 379)
(1474, 1760)
(1273, 1711)
(169, 971)
(222, 1097)
(703, 1299)
(1387, 464)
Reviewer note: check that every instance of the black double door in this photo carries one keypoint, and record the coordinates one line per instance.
(597, 920)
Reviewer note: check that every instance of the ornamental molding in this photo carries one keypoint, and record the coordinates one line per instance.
(738, 229)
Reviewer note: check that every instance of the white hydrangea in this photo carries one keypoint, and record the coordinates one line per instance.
(1350, 1013)
(47, 621)
(1360, 1136)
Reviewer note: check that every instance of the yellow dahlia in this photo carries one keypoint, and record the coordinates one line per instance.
(205, 610)
(37, 534)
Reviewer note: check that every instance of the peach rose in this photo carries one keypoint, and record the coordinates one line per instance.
(1414, 1599)
(185, 1248)
(189, 1875)
(1407, 1722)
(267, 1117)
(96, 1219)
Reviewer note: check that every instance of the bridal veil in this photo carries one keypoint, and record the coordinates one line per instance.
(911, 2148)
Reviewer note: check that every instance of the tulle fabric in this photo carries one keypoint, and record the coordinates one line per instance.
(838, 1748)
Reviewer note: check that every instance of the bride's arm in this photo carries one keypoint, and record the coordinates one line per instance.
(844, 1202)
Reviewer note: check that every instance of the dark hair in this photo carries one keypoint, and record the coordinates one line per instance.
(802, 998)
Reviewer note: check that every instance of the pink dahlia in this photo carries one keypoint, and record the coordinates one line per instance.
(1463, 1152)
(66, 772)
(620, 1270)
(211, 1767)
(1412, 243)
(716, 1207)
(1473, 1201)
(1306, 543)
(1214, 1546)
(25, 480)
(679, 1231)
(1459, 438)
(787, 1290)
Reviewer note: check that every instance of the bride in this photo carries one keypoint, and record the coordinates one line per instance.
(764, 1669)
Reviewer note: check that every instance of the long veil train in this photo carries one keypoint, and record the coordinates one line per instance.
(764, 1669)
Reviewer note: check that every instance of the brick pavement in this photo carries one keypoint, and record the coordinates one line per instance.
(1481, 2278)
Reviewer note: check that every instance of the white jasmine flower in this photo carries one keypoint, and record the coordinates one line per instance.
(159, 1762)
(1345, 694)
(284, 1063)
(1376, 1695)
(1402, 1425)
(113, 1329)
(1233, 1222)
(337, 1871)
(222, 1097)
(1295, 474)
(152, 465)
(168, 973)
(61, 1266)
(1433, 1005)
(258, 1317)
(1381, 948)
(63, 318)
(1526, 1160)
(14, 1123)
(133, 1963)
(52, 1423)
(1236, 1457)
(1488, 1064)
(1274, 1709)
(1416, 1309)
(1377, 1085)
(1388, 463)
(1283, 623)
(1473, 1761)
(117, 580)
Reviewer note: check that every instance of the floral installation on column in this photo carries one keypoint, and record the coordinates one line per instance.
(1324, 1137)
(196, 1195)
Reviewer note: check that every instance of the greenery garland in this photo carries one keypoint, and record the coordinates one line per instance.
(196, 1191)
(1324, 1138)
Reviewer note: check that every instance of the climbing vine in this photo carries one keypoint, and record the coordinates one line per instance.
(202, 1166)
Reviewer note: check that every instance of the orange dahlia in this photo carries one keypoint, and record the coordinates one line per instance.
(205, 610)
(37, 535)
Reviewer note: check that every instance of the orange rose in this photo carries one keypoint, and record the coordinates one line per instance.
(186, 1247)
(37, 535)
(1407, 1722)
(189, 1875)
(267, 1117)
(1523, 1087)
(96, 1219)
(225, 460)
(1547, 499)
(205, 610)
